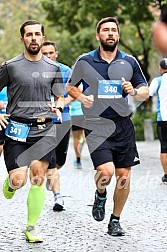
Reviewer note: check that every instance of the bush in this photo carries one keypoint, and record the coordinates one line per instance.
(138, 121)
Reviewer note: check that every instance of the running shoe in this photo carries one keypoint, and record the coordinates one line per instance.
(114, 228)
(59, 203)
(8, 192)
(98, 210)
(164, 179)
(78, 165)
(32, 236)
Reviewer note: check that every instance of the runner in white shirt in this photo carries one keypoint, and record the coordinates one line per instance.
(158, 86)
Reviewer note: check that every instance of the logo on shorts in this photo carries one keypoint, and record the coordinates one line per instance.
(136, 159)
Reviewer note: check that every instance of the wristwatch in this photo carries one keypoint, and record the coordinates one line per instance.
(135, 92)
(60, 109)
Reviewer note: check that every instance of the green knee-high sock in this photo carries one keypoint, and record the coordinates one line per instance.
(35, 203)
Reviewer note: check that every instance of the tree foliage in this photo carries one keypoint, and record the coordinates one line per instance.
(71, 24)
(79, 19)
(12, 14)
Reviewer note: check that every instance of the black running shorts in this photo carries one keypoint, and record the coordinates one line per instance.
(18, 154)
(112, 141)
(63, 136)
(77, 122)
(2, 136)
(162, 135)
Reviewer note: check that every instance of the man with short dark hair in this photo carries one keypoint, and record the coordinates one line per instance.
(108, 76)
(158, 86)
(50, 50)
(30, 134)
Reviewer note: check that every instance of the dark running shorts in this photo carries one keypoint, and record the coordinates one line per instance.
(162, 135)
(18, 154)
(63, 136)
(2, 136)
(77, 122)
(112, 142)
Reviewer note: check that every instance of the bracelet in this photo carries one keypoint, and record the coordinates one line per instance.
(60, 109)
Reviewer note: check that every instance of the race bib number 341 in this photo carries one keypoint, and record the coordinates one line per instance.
(17, 131)
(109, 89)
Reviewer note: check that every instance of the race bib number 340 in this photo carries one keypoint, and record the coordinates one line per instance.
(17, 131)
(109, 89)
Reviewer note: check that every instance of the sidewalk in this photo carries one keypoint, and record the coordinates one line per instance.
(75, 230)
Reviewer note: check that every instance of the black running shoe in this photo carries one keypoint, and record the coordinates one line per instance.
(164, 179)
(114, 229)
(98, 210)
(59, 204)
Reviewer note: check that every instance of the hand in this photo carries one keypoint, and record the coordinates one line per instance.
(88, 101)
(59, 115)
(3, 121)
(56, 111)
(127, 86)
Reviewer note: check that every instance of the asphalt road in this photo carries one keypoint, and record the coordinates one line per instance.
(75, 230)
